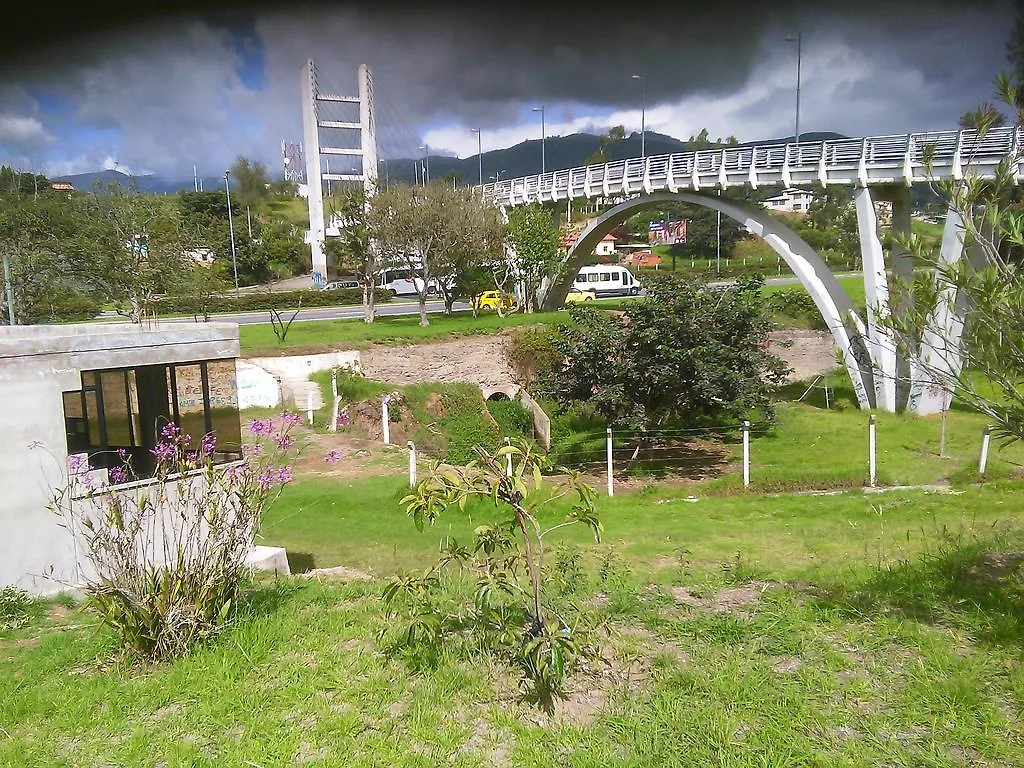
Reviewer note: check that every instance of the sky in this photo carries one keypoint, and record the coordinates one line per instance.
(194, 87)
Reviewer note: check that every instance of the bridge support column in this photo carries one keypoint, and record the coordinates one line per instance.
(881, 344)
(902, 267)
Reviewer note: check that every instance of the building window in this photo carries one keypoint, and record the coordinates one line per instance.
(122, 410)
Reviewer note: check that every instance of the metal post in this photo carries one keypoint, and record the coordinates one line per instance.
(231, 229)
(746, 453)
(508, 458)
(9, 286)
(385, 419)
(871, 450)
(412, 463)
(983, 463)
(248, 218)
(611, 484)
(543, 135)
(799, 45)
(942, 430)
(309, 408)
(479, 154)
(643, 115)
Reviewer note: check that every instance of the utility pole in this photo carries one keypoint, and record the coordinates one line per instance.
(643, 115)
(479, 154)
(231, 229)
(248, 218)
(426, 164)
(543, 137)
(797, 39)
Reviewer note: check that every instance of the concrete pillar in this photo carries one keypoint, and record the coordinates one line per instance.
(901, 262)
(314, 181)
(368, 130)
(881, 344)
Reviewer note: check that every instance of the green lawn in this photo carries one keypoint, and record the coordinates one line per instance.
(897, 655)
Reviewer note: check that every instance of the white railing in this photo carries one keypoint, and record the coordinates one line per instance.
(907, 158)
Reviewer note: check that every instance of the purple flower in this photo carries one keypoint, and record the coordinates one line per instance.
(74, 463)
(122, 454)
(236, 473)
(209, 443)
(291, 418)
(163, 451)
(284, 475)
(260, 427)
(342, 419)
(117, 475)
(268, 479)
(170, 430)
(192, 457)
(333, 456)
(284, 442)
(254, 449)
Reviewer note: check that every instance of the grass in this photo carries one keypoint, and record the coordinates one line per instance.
(897, 656)
(323, 335)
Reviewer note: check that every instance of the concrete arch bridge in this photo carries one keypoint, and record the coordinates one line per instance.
(878, 168)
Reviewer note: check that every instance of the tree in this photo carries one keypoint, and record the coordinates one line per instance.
(132, 248)
(354, 252)
(203, 283)
(250, 180)
(429, 229)
(985, 366)
(533, 236)
(686, 354)
(605, 142)
(986, 115)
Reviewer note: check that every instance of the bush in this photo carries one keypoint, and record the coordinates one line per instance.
(254, 302)
(514, 420)
(15, 606)
(795, 306)
(532, 353)
(60, 307)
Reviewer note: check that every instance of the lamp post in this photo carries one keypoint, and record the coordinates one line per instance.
(643, 115)
(426, 164)
(231, 229)
(496, 177)
(543, 132)
(479, 154)
(796, 39)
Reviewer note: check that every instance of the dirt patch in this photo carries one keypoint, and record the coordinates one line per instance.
(338, 572)
(729, 600)
(478, 360)
(808, 353)
(998, 566)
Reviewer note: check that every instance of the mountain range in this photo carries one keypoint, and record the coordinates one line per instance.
(519, 160)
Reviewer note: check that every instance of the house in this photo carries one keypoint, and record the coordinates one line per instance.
(99, 393)
(607, 246)
(790, 200)
(62, 186)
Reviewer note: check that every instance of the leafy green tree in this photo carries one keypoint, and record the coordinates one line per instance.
(204, 284)
(686, 354)
(605, 142)
(532, 234)
(250, 180)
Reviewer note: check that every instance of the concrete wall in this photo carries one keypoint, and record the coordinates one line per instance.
(541, 422)
(257, 387)
(38, 364)
(300, 366)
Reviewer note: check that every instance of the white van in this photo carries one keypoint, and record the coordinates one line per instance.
(607, 280)
(400, 282)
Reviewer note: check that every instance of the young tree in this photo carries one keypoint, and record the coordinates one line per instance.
(428, 228)
(250, 180)
(355, 251)
(532, 234)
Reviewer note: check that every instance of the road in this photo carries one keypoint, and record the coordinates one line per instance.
(400, 307)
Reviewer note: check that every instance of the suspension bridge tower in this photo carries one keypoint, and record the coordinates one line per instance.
(340, 128)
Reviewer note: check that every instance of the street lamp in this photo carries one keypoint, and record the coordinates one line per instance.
(643, 115)
(231, 228)
(426, 164)
(543, 163)
(796, 39)
(479, 154)
(496, 177)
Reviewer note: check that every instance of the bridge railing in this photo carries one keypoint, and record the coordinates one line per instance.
(907, 158)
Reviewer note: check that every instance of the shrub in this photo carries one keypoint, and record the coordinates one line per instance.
(59, 307)
(795, 305)
(514, 419)
(15, 606)
(532, 353)
(166, 562)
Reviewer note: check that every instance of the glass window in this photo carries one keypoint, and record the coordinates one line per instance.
(224, 419)
(605, 277)
(191, 401)
(581, 278)
(115, 409)
(593, 277)
(615, 277)
(75, 425)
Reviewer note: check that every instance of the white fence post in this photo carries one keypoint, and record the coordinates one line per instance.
(309, 408)
(983, 462)
(412, 464)
(385, 419)
(746, 453)
(871, 450)
(611, 482)
(508, 458)
(334, 382)
(333, 426)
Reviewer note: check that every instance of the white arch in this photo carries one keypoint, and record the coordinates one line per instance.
(835, 306)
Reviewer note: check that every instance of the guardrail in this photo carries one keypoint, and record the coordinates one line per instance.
(896, 159)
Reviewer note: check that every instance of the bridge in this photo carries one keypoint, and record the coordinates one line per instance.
(877, 167)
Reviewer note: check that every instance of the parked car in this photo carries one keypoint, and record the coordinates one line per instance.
(335, 285)
(492, 299)
(576, 294)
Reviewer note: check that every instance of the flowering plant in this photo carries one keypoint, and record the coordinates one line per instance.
(165, 560)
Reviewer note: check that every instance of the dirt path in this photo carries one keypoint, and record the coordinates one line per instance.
(476, 359)
(808, 353)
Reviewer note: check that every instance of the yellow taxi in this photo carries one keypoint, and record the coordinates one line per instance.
(576, 295)
(492, 299)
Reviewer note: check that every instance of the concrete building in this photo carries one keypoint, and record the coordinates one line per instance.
(607, 246)
(791, 200)
(93, 390)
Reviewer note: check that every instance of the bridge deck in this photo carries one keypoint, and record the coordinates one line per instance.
(900, 159)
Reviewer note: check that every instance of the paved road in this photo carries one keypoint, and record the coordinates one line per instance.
(400, 307)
